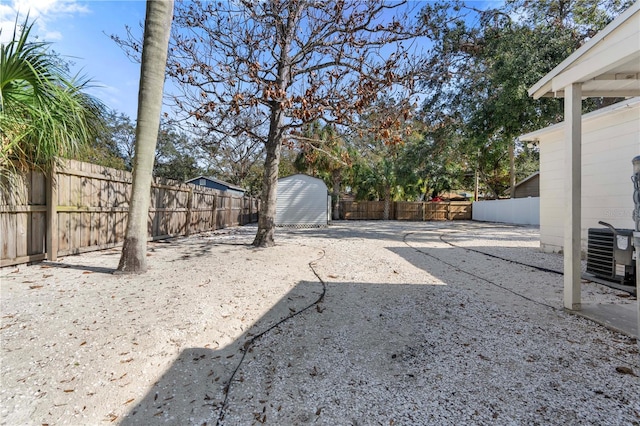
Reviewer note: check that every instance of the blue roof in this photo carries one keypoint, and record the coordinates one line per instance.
(217, 181)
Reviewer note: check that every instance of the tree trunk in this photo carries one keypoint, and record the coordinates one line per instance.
(157, 29)
(335, 196)
(476, 188)
(267, 217)
(387, 202)
(512, 169)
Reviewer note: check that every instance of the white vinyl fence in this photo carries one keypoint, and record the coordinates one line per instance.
(519, 211)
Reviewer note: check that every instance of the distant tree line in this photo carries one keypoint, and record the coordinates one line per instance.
(179, 155)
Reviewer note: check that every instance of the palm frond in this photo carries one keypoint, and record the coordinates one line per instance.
(44, 113)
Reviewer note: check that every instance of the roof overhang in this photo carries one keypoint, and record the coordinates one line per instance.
(608, 65)
(536, 135)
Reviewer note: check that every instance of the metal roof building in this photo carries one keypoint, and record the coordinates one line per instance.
(302, 201)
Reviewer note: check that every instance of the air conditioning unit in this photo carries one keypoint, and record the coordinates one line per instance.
(610, 254)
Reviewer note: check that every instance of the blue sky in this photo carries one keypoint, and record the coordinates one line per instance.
(79, 31)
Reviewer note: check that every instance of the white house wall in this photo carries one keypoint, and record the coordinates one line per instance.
(302, 201)
(609, 143)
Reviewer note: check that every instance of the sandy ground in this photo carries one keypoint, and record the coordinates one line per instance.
(388, 324)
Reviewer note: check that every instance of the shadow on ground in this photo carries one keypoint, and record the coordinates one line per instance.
(397, 354)
(388, 230)
(193, 389)
(87, 268)
(350, 317)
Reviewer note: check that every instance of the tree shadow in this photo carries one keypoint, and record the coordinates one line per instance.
(200, 245)
(392, 353)
(88, 268)
(360, 229)
(193, 390)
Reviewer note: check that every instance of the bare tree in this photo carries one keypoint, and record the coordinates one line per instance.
(286, 63)
(234, 156)
(154, 58)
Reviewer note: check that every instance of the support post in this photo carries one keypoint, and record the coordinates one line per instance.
(573, 195)
(636, 235)
(52, 214)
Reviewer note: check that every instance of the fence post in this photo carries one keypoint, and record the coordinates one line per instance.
(449, 210)
(189, 208)
(214, 213)
(52, 215)
(255, 208)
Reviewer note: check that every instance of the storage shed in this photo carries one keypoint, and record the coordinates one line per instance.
(303, 201)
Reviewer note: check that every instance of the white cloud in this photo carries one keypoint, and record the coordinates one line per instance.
(47, 9)
(44, 12)
(5, 9)
(52, 36)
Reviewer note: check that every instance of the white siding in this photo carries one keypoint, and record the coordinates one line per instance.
(609, 143)
(302, 201)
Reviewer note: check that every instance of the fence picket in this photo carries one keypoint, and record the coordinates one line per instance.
(85, 207)
(404, 210)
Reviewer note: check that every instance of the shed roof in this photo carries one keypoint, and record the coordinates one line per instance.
(608, 65)
(301, 176)
(218, 181)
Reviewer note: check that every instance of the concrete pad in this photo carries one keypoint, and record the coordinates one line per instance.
(620, 317)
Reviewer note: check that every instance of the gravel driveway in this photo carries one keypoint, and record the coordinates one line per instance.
(367, 323)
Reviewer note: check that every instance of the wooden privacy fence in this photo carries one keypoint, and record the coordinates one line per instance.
(405, 210)
(90, 207)
(364, 210)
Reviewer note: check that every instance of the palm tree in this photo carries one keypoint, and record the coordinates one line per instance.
(157, 28)
(44, 112)
(324, 153)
